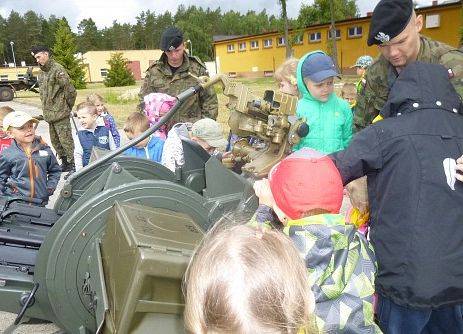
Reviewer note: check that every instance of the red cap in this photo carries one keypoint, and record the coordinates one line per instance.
(304, 181)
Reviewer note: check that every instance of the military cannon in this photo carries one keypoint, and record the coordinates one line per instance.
(110, 256)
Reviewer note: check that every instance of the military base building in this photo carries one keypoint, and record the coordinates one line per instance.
(259, 55)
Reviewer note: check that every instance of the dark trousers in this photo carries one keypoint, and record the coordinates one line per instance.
(396, 319)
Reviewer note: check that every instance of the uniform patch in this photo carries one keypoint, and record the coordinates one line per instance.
(451, 74)
(43, 153)
(103, 140)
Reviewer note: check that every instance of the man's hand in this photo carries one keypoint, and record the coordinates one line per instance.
(264, 193)
(459, 168)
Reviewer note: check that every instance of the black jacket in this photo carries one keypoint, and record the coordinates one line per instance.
(416, 206)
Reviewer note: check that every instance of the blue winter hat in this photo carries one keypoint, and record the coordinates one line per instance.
(318, 66)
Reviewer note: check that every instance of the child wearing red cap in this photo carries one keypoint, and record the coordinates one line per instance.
(305, 191)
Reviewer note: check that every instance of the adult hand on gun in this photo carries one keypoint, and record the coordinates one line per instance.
(459, 168)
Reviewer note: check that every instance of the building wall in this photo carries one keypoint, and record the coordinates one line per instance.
(98, 61)
(264, 60)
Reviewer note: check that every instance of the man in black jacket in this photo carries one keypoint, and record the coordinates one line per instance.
(415, 202)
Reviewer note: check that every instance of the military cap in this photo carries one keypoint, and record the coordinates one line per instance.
(39, 48)
(390, 17)
(171, 39)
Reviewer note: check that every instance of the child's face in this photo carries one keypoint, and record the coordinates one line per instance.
(141, 144)
(320, 90)
(24, 135)
(99, 107)
(349, 96)
(360, 71)
(286, 88)
(86, 119)
(3, 134)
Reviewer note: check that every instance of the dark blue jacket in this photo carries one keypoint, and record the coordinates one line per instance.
(88, 139)
(34, 177)
(415, 203)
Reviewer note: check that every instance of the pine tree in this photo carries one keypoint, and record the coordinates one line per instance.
(118, 74)
(64, 52)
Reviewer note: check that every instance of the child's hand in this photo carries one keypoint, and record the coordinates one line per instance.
(264, 193)
(358, 194)
(459, 168)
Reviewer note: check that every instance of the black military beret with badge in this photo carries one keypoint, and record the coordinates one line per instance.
(389, 19)
(39, 48)
(171, 39)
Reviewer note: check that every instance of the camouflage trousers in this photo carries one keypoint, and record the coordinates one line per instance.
(61, 139)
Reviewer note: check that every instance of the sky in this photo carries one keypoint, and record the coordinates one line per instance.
(104, 12)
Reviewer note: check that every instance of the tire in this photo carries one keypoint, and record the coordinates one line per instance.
(6, 94)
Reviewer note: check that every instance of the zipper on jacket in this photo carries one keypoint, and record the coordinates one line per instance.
(31, 172)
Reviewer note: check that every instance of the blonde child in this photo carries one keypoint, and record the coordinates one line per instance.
(361, 65)
(28, 168)
(91, 135)
(285, 75)
(305, 191)
(329, 117)
(149, 148)
(5, 140)
(245, 280)
(349, 93)
(108, 120)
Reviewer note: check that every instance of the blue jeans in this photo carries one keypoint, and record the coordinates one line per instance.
(396, 319)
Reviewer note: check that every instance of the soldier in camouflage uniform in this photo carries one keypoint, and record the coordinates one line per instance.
(58, 96)
(395, 28)
(176, 71)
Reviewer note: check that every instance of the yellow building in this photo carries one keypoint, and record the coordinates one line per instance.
(260, 55)
(16, 73)
(97, 62)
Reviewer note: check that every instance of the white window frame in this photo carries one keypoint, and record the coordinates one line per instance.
(281, 41)
(432, 21)
(318, 37)
(254, 45)
(356, 33)
(299, 39)
(240, 46)
(230, 47)
(268, 43)
(338, 34)
(104, 72)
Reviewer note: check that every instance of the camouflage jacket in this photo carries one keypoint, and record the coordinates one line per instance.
(56, 92)
(159, 79)
(381, 75)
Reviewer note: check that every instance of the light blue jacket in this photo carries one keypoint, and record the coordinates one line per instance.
(152, 151)
(330, 122)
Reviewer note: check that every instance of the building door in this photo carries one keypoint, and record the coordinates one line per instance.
(134, 67)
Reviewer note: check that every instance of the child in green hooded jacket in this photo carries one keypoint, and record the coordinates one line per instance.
(329, 117)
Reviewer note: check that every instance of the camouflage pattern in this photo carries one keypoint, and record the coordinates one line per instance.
(61, 139)
(56, 92)
(381, 75)
(159, 79)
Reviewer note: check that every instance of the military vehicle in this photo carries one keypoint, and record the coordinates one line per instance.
(110, 256)
(8, 88)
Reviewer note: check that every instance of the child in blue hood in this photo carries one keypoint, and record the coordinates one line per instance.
(328, 116)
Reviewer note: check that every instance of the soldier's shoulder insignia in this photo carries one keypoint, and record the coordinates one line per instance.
(61, 74)
(451, 74)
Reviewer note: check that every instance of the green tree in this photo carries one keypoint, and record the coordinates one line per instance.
(89, 38)
(118, 74)
(320, 12)
(49, 28)
(32, 34)
(64, 52)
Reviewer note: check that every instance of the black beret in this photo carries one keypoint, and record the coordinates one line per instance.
(39, 48)
(390, 17)
(171, 39)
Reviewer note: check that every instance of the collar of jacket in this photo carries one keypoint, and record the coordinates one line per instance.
(166, 67)
(47, 66)
(37, 144)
